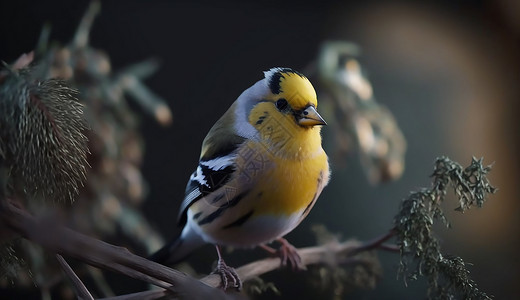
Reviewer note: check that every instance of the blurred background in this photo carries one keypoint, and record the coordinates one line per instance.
(449, 71)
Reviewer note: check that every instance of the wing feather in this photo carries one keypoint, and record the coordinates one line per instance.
(216, 166)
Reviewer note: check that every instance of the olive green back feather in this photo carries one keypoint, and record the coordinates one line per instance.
(221, 139)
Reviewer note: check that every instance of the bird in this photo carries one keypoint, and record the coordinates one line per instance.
(261, 169)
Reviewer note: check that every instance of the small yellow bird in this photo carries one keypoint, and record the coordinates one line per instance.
(260, 172)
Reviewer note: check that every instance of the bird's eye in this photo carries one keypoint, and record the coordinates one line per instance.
(281, 104)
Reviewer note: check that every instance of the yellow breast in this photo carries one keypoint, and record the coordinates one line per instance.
(283, 184)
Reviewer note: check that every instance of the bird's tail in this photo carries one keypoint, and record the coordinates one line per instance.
(178, 248)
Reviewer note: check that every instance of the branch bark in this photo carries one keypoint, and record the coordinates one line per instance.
(63, 241)
(81, 290)
(332, 253)
(58, 239)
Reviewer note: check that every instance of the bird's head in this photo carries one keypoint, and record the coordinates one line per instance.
(282, 108)
(291, 96)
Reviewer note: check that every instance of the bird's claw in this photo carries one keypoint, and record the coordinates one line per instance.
(289, 254)
(227, 273)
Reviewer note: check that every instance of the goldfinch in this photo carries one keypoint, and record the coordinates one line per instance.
(261, 169)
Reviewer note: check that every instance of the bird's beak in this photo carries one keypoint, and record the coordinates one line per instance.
(310, 117)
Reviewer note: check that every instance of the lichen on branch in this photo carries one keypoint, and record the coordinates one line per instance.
(414, 228)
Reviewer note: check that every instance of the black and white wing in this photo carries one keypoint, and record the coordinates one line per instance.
(216, 166)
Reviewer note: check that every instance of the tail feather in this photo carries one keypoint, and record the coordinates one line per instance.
(179, 248)
(162, 255)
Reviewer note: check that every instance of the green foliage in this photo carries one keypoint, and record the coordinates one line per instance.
(447, 275)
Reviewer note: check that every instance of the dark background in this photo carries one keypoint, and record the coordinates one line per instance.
(448, 70)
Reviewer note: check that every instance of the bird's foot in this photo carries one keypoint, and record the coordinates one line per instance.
(228, 275)
(288, 254)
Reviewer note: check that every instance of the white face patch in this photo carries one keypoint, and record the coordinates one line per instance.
(245, 102)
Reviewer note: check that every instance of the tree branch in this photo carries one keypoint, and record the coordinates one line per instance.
(97, 253)
(332, 253)
(378, 243)
(81, 290)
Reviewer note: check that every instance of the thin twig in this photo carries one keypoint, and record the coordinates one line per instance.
(377, 242)
(81, 290)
